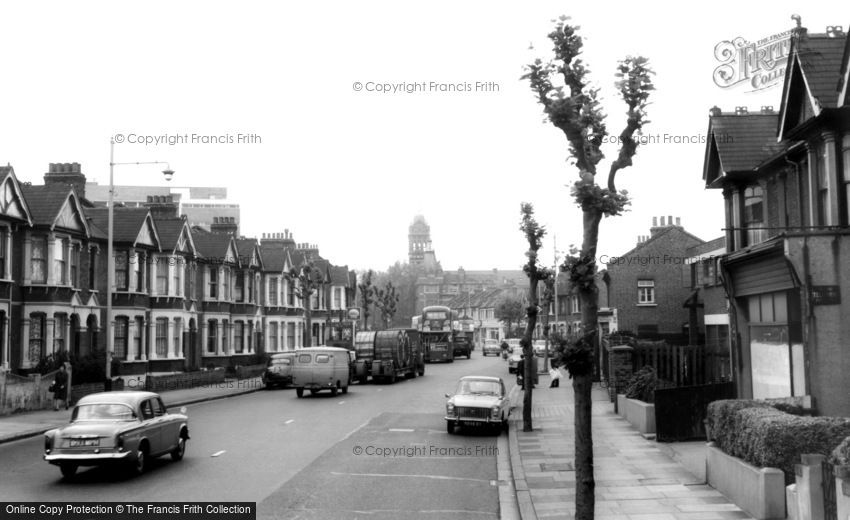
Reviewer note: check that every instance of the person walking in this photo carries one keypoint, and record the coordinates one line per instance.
(555, 374)
(520, 372)
(60, 388)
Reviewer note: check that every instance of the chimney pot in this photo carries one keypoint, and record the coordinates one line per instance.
(662, 221)
(654, 221)
(740, 111)
(678, 221)
(670, 220)
(714, 111)
(767, 109)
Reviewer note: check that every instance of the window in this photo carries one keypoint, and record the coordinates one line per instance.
(225, 284)
(193, 277)
(162, 275)
(162, 337)
(177, 272)
(322, 358)
(845, 163)
(304, 358)
(137, 259)
(121, 270)
(4, 233)
(38, 260)
(823, 186)
(92, 267)
(250, 335)
(225, 336)
(36, 346)
(431, 289)
(646, 292)
(212, 334)
(139, 324)
(754, 215)
(75, 265)
(212, 287)
(290, 293)
(273, 291)
(257, 288)
(178, 336)
(238, 339)
(59, 323)
(337, 297)
(147, 410)
(273, 337)
(250, 297)
(60, 261)
(238, 287)
(290, 336)
(576, 305)
(120, 339)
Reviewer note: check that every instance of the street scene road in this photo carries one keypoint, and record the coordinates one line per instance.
(377, 451)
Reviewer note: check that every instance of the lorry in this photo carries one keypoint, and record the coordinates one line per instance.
(321, 368)
(398, 353)
(364, 354)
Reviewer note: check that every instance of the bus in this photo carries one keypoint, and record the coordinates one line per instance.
(436, 333)
(464, 331)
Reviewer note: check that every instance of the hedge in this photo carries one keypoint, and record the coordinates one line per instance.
(766, 437)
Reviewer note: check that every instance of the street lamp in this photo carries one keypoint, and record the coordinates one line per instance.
(110, 259)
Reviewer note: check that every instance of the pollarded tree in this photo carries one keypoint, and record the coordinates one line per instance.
(536, 273)
(306, 279)
(510, 310)
(386, 300)
(367, 296)
(572, 106)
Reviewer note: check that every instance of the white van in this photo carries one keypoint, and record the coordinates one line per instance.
(321, 368)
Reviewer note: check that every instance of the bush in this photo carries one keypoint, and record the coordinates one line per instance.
(763, 436)
(642, 385)
(50, 362)
(841, 454)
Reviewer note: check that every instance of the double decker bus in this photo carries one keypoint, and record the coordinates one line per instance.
(436, 330)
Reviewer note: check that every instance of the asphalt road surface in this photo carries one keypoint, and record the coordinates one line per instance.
(380, 451)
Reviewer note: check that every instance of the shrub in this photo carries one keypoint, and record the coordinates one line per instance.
(721, 416)
(841, 454)
(642, 385)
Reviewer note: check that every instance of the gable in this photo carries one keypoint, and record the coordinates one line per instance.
(184, 241)
(230, 255)
(147, 235)
(69, 217)
(11, 201)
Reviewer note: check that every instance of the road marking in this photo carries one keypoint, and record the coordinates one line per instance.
(380, 389)
(433, 477)
(289, 421)
(341, 402)
(402, 429)
(216, 454)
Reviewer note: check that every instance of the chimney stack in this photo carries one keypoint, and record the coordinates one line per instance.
(66, 174)
(162, 206)
(226, 225)
(714, 111)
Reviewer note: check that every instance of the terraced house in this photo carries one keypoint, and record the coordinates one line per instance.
(785, 177)
(185, 298)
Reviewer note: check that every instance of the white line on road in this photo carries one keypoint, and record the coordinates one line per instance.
(289, 421)
(216, 454)
(341, 402)
(434, 477)
(402, 429)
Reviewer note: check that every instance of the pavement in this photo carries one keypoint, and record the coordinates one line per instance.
(29, 424)
(637, 478)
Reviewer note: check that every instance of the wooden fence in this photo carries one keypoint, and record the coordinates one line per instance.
(683, 365)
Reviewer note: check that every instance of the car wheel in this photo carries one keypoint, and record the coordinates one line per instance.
(180, 449)
(504, 424)
(334, 390)
(299, 392)
(345, 390)
(468, 355)
(450, 426)
(422, 372)
(68, 470)
(314, 391)
(141, 463)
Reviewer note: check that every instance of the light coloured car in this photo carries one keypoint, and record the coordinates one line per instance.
(122, 427)
(514, 345)
(539, 347)
(477, 400)
(491, 346)
(513, 360)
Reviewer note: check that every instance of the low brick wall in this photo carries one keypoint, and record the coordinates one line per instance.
(80, 391)
(183, 380)
(25, 394)
(247, 372)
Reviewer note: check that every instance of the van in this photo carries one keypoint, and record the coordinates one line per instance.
(321, 368)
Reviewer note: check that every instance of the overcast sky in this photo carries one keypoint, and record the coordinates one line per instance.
(349, 169)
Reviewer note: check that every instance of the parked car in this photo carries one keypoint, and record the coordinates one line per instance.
(279, 370)
(513, 345)
(477, 400)
(117, 427)
(539, 347)
(491, 346)
(322, 368)
(513, 360)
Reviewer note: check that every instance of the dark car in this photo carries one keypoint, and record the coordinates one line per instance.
(279, 370)
(117, 427)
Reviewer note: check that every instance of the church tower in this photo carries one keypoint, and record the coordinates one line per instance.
(419, 239)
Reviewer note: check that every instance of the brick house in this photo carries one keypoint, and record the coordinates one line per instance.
(647, 285)
(786, 186)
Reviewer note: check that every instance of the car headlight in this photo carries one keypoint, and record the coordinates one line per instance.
(48, 443)
(450, 409)
(494, 411)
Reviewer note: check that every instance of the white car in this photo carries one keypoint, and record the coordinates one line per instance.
(514, 345)
(478, 400)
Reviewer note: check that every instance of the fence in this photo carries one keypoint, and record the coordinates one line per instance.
(683, 365)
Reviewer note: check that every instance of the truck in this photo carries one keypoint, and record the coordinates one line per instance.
(398, 353)
(364, 354)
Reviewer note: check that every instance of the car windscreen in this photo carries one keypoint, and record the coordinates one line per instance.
(103, 412)
(281, 362)
(478, 388)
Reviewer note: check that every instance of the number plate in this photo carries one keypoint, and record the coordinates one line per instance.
(76, 443)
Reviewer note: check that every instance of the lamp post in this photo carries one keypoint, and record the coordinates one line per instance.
(110, 258)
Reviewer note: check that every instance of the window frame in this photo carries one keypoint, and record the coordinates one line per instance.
(646, 292)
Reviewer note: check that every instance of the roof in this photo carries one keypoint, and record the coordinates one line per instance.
(339, 275)
(170, 229)
(127, 223)
(708, 247)
(274, 256)
(739, 143)
(246, 248)
(211, 245)
(656, 236)
(46, 201)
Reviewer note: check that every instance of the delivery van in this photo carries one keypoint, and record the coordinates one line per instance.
(321, 368)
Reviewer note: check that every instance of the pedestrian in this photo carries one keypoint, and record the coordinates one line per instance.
(555, 374)
(520, 372)
(60, 388)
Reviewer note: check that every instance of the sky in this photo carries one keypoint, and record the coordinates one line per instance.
(332, 154)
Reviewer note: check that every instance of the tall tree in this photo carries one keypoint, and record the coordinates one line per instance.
(573, 107)
(536, 273)
(367, 296)
(306, 279)
(386, 300)
(510, 310)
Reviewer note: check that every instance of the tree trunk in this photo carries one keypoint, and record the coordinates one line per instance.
(528, 352)
(583, 383)
(308, 319)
